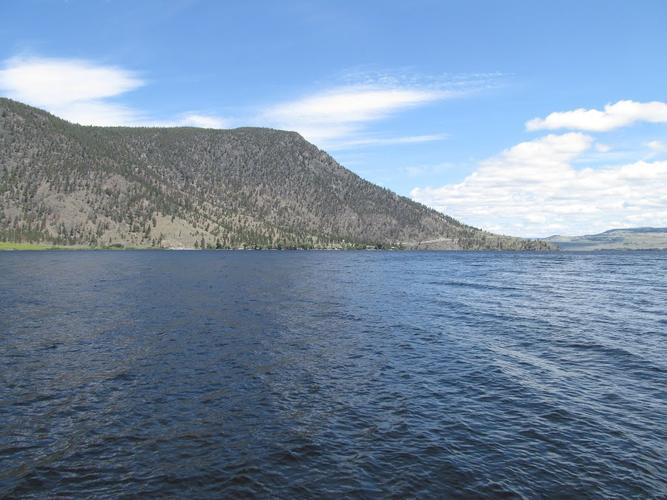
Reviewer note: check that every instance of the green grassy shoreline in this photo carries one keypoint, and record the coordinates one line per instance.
(9, 246)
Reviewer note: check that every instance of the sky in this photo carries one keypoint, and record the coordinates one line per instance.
(521, 117)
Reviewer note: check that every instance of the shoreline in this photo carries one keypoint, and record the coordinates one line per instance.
(41, 247)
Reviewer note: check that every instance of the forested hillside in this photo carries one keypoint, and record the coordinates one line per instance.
(188, 187)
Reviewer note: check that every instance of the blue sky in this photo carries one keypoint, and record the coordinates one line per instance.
(432, 99)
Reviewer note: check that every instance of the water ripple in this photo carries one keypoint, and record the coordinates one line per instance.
(310, 374)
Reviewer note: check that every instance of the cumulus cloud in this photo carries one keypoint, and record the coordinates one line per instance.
(82, 92)
(533, 189)
(341, 113)
(620, 114)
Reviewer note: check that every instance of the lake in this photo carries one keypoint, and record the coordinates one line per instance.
(321, 374)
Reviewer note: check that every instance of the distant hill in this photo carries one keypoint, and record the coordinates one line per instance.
(67, 184)
(640, 238)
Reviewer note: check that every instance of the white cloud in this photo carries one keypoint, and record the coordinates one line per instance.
(532, 189)
(89, 93)
(73, 89)
(204, 121)
(613, 116)
(657, 146)
(97, 113)
(82, 91)
(384, 141)
(341, 113)
(52, 82)
(602, 148)
(197, 120)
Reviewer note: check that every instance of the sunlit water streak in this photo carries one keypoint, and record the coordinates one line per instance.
(327, 373)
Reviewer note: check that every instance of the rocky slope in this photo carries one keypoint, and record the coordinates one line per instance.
(186, 187)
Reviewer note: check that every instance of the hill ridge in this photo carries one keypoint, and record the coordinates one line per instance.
(634, 238)
(64, 183)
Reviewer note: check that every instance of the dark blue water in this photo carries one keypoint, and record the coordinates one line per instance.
(320, 374)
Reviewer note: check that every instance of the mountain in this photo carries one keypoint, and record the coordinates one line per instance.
(639, 238)
(187, 187)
